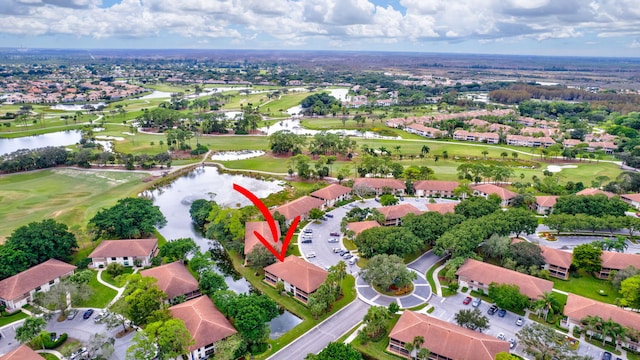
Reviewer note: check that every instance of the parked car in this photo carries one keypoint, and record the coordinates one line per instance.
(101, 316)
(334, 234)
(492, 310)
(329, 215)
(476, 302)
(306, 241)
(337, 249)
(606, 355)
(512, 343)
(347, 256)
(307, 231)
(87, 314)
(502, 312)
(76, 354)
(341, 253)
(519, 321)
(72, 314)
(501, 336)
(311, 255)
(353, 260)
(467, 300)
(333, 240)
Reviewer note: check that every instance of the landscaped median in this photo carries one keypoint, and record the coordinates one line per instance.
(292, 305)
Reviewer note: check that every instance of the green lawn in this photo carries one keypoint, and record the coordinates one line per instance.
(429, 275)
(588, 286)
(101, 296)
(8, 319)
(69, 196)
(49, 356)
(106, 277)
(377, 349)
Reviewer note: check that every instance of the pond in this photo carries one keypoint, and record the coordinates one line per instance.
(283, 323)
(61, 138)
(175, 200)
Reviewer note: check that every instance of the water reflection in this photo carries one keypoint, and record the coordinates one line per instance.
(61, 138)
(283, 323)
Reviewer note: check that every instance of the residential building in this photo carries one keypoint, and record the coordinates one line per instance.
(485, 190)
(360, 226)
(533, 131)
(612, 261)
(569, 143)
(22, 352)
(477, 122)
(445, 341)
(529, 141)
(578, 308)
(332, 194)
(299, 277)
(393, 214)
(175, 280)
(593, 191)
(262, 227)
(607, 146)
(380, 185)
(631, 199)
(133, 252)
(442, 208)
(425, 131)
(476, 274)
(600, 137)
(19, 290)
(435, 188)
(299, 207)
(487, 137)
(557, 261)
(205, 323)
(544, 204)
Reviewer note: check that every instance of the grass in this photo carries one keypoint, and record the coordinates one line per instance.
(101, 295)
(483, 296)
(429, 276)
(6, 319)
(378, 349)
(588, 286)
(349, 244)
(419, 307)
(49, 356)
(610, 348)
(106, 277)
(632, 356)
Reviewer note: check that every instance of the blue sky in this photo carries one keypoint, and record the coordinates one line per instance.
(538, 27)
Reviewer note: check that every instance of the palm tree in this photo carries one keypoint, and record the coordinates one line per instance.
(423, 354)
(549, 303)
(409, 347)
(397, 148)
(425, 150)
(485, 153)
(504, 155)
(515, 155)
(418, 341)
(593, 324)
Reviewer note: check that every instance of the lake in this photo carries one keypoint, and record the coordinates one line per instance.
(61, 138)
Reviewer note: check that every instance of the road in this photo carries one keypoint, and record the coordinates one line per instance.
(316, 339)
(424, 262)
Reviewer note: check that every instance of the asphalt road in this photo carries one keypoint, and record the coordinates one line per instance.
(316, 339)
(424, 262)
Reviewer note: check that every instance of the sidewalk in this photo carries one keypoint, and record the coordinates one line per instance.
(119, 290)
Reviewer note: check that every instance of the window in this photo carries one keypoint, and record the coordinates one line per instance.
(125, 258)
(113, 259)
(38, 288)
(52, 282)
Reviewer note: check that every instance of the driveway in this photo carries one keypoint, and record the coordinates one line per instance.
(424, 262)
(316, 339)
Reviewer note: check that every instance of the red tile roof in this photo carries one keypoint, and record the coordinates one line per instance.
(173, 278)
(435, 185)
(631, 197)
(121, 248)
(262, 227)
(22, 283)
(299, 207)
(379, 183)
(592, 191)
(485, 273)
(442, 208)
(447, 339)
(489, 189)
(23, 352)
(331, 192)
(301, 274)
(579, 307)
(556, 256)
(205, 322)
(398, 211)
(360, 226)
(546, 201)
(616, 260)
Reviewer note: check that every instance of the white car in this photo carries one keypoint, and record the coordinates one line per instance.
(501, 336)
(311, 255)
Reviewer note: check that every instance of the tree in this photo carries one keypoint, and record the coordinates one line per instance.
(250, 313)
(472, 319)
(375, 322)
(199, 211)
(260, 257)
(508, 296)
(630, 292)
(616, 277)
(496, 246)
(587, 257)
(316, 214)
(387, 240)
(388, 200)
(475, 207)
(284, 141)
(543, 342)
(549, 304)
(30, 329)
(144, 301)
(210, 282)
(115, 269)
(178, 249)
(58, 296)
(336, 350)
(506, 356)
(101, 346)
(386, 270)
(129, 218)
(171, 339)
(526, 254)
(230, 348)
(521, 220)
(42, 241)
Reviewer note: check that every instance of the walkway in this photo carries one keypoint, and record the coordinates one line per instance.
(420, 294)
(119, 290)
(52, 352)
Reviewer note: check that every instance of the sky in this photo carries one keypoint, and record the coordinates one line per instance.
(521, 27)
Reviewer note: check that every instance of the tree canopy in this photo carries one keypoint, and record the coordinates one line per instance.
(336, 350)
(587, 257)
(387, 240)
(385, 270)
(508, 296)
(170, 338)
(284, 141)
(594, 205)
(129, 218)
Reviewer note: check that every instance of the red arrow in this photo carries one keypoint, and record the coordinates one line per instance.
(272, 224)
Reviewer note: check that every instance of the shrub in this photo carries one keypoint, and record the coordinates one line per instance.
(50, 344)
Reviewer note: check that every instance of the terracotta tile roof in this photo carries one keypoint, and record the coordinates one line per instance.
(251, 240)
(298, 207)
(592, 191)
(435, 185)
(331, 192)
(22, 283)
(398, 211)
(556, 256)
(303, 275)
(121, 248)
(489, 189)
(485, 273)
(616, 260)
(360, 226)
(173, 278)
(447, 339)
(631, 197)
(546, 201)
(205, 322)
(23, 352)
(579, 307)
(442, 208)
(378, 183)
